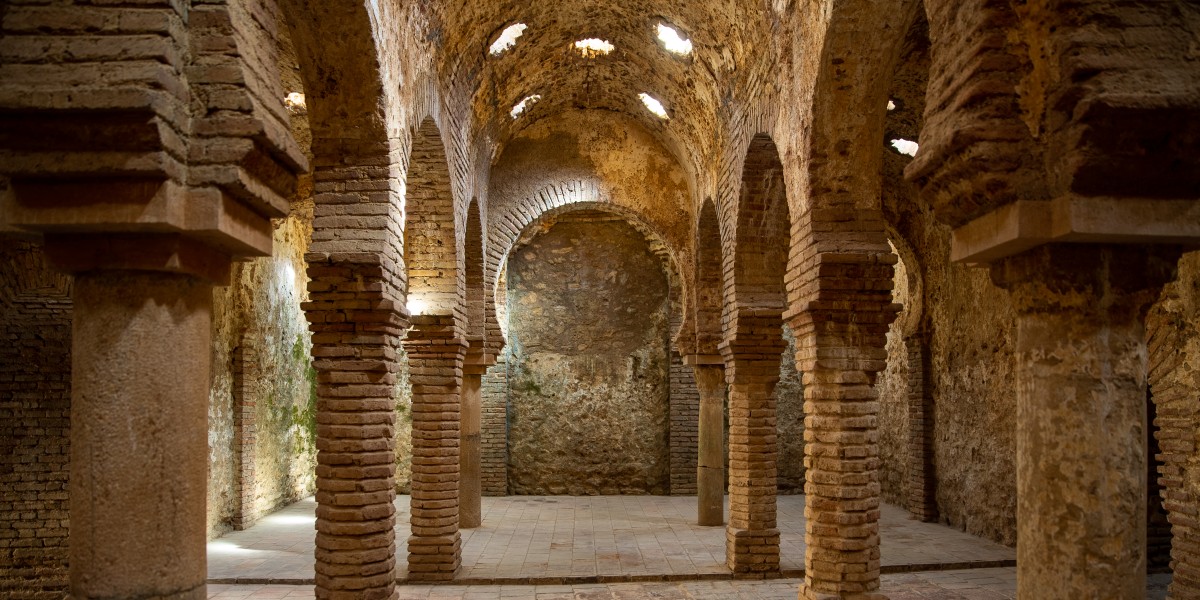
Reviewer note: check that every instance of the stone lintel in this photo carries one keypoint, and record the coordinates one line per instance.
(1026, 224)
(165, 252)
(136, 206)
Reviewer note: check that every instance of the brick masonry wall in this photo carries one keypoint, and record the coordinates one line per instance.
(494, 429)
(1173, 333)
(35, 406)
(685, 427)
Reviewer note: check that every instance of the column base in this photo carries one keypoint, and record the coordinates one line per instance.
(752, 550)
(434, 558)
(807, 593)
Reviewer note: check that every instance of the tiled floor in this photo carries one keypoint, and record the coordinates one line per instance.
(579, 537)
(974, 584)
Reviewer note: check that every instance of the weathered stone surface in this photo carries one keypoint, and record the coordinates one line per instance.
(588, 373)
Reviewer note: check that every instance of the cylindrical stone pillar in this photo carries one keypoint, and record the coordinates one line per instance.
(1081, 420)
(139, 434)
(710, 465)
(471, 483)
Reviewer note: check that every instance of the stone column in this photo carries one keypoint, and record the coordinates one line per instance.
(710, 466)
(471, 488)
(841, 347)
(1081, 417)
(751, 371)
(435, 357)
(139, 434)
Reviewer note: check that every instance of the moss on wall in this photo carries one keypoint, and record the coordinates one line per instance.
(260, 331)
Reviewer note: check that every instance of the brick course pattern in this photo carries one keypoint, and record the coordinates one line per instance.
(35, 415)
(435, 358)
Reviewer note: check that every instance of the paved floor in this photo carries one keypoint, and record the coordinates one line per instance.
(574, 538)
(974, 584)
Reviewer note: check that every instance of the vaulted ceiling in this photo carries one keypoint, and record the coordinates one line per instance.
(732, 51)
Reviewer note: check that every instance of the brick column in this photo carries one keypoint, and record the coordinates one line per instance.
(1081, 417)
(245, 431)
(840, 346)
(710, 468)
(435, 356)
(356, 336)
(921, 486)
(472, 489)
(751, 372)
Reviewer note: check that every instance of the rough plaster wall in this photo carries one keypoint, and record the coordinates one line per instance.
(974, 390)
(588, 377)
(262, 309)
(403, 397)
(35, 410)
(789, 419)
(893, 387)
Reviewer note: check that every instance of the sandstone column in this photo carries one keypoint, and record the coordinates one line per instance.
(752, 370)
(139, 441)
(435, 354)
(1081, 417)
(471, 489)
(710, 466)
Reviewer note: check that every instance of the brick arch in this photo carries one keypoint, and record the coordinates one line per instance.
(654, 238)
(435, 280)
(709, 285)
(507, 226)
(475, 293)
(755, 259)
(1172, 329)
(914, 304)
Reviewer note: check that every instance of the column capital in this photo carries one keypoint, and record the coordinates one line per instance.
(1086, 278)
(162, 252)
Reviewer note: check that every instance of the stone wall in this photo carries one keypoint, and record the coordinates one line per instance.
(973, 386)
(404, 425)
(789, 419)
(35, 411)
(494, 428)
(588, 372)
(262, 411)
(894, 385)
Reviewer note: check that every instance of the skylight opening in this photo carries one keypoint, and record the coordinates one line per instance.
(524, 105)
(904, 146)
(507, 39)
(593, 47)
(672, 41)
(654, 106)
(295, 102)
